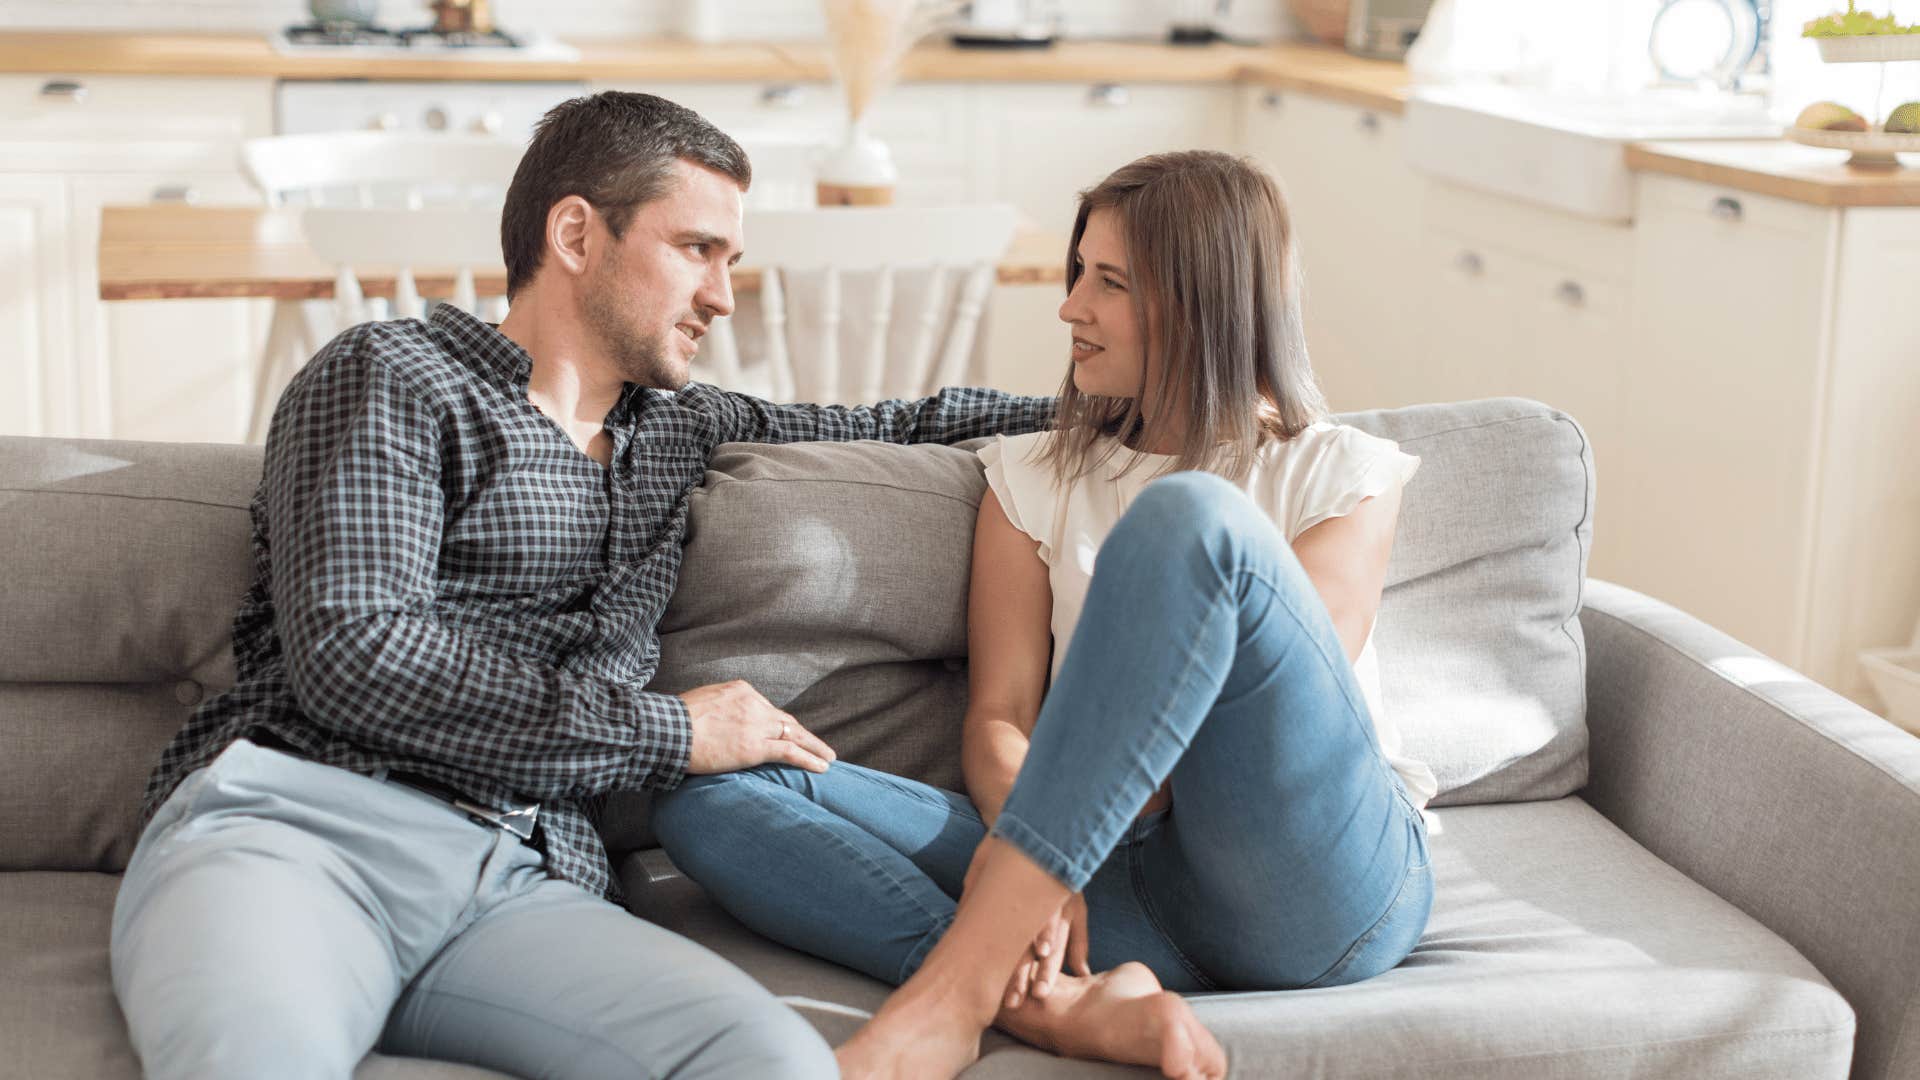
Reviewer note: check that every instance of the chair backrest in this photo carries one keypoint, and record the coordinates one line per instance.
(368, 168)
(919, 279)
(445, 239)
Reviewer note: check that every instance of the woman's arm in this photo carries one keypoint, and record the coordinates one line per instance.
(1346, 558)
(1009, 648)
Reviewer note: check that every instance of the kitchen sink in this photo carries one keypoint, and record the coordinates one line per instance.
(1563, 151)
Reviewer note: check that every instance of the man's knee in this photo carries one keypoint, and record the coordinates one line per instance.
(261, 1039)
(767, 1038)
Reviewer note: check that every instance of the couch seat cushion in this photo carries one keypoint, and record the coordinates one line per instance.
(1557, 948)
(58, 1016)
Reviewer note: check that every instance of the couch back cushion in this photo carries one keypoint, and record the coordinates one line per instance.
(831, 577)
(834, 579)
(124, 563)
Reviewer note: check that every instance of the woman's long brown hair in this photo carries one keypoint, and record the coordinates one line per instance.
(1210, 248)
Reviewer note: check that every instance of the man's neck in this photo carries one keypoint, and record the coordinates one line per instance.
(570, 382)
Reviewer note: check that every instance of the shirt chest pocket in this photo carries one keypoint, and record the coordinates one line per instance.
(525, 530)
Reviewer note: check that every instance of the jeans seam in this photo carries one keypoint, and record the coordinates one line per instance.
(1137, 876)
(1354, 709)
(859, 855)
(1373, 931)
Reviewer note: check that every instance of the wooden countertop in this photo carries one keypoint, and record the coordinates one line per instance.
(170, 252)
(1786, 170)
(1375, 83)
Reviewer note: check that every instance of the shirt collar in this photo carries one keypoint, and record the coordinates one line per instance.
(483, 346)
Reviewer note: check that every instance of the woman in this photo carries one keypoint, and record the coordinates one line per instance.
(1178, 773)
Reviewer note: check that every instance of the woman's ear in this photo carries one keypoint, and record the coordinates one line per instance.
(570, 232)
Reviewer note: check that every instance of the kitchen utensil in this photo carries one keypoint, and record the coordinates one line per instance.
(343, 16)
(1385, 28)
(1325, 20)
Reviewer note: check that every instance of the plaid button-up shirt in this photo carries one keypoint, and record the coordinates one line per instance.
(443, 584)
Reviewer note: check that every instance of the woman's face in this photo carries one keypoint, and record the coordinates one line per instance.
(1109, 344)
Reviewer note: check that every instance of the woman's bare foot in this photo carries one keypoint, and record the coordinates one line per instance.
(1121, 1015)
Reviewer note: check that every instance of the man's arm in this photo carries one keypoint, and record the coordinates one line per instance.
(356, 511)
(955, 414)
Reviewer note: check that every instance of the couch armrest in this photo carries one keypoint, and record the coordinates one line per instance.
(1793, 803)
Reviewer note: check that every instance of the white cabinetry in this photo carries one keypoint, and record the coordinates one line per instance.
(36, 338)
(1775, 407)
(1041, 144)
(1355, 208)
(77, 144)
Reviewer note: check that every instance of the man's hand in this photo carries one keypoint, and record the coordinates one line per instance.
(735, 728)
(1061, 942)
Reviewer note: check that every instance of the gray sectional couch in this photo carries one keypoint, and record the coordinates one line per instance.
(1658, 853)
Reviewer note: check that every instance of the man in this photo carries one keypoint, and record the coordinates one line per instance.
(463, 540)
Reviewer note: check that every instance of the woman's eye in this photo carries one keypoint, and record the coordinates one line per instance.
(1112, 284)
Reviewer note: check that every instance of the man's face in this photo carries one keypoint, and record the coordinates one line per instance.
(653, 295)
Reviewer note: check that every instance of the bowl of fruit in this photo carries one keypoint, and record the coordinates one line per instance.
(1834, 126)
(1854, 36)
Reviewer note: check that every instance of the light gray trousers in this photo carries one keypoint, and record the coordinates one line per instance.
(282, 918)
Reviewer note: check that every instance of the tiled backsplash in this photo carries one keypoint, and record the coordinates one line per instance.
(736, 19)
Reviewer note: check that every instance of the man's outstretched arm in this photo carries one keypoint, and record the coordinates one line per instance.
(955, 414)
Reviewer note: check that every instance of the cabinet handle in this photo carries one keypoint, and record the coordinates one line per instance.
(1272, 100)
(782, 96)
(1108, 95)
(176, 193)
(65, 90)
(1470, 263)
(1727, 208)
(1572, 294)
(1369, 123)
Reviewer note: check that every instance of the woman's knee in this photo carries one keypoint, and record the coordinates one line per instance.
(1187, 511)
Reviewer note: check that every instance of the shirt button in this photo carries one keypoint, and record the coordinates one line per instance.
(188, 692)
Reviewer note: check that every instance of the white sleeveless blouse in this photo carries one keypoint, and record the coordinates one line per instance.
(1324, 472)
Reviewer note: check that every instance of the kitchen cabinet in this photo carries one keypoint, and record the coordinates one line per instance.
(162, 370)
(1041, 144)
(36, 340)
(926, 126)
(1513, 299)
(1774, 411)
(1354, 208)
(176, 369)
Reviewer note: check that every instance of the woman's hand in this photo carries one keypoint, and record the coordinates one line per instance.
(1061, 943)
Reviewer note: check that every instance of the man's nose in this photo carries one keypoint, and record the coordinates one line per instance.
(716, 293)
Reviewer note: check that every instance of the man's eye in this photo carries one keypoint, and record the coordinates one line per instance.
(698, 249)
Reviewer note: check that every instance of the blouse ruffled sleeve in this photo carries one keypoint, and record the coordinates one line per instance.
(1347, 467)
(1025, 490)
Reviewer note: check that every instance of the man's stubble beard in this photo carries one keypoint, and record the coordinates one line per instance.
(640, 359)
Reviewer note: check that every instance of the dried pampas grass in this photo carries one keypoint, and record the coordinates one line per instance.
(868, 38)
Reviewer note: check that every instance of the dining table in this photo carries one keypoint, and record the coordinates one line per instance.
(175, 252)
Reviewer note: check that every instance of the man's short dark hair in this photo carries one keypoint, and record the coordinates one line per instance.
(614, 149)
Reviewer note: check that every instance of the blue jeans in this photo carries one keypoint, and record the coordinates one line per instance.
(1290, 856)
(282, 918)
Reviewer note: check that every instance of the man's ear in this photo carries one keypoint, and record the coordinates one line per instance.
(570, 233)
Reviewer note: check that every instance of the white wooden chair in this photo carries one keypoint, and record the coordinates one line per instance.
(408, 170)
(440, 238)
(858, 304)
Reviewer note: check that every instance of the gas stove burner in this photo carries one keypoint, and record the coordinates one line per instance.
(346, 34)
(341, 33)
(459, 39)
